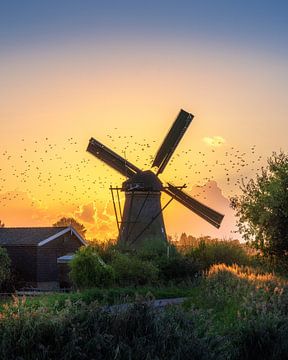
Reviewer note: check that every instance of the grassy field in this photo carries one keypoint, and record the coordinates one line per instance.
(105, 296)
(233, 312)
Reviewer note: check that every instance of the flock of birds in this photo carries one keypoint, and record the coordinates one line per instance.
(63, 173)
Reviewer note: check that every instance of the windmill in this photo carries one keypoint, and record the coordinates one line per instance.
(142, 219)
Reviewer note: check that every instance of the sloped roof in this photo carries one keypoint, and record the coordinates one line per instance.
(35, 236)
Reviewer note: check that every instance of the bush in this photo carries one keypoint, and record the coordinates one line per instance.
(207, 253)
(179, 268)
(155, 250)
(130, 270)
(262, 210)
(89, 270)
(261, 338)
(105, 250)
(5, 263)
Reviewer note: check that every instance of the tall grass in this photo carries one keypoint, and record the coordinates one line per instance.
(88, 332)
(234, 312)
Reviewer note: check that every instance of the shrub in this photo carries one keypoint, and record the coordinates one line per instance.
(130, 270)
(154, 250)
(105, 250)
(212, 252)
(179, 268)
(5, 263)
(89, 270)
(261, 338)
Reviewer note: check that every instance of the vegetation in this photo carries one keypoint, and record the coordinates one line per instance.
(262, 209)
(85, 332)
(5, 263)
(208, 252)
(2, 225)
(69, 221)
(102, 265)
(236, 307)
(233, 312)
(89, 270)
(130, 270)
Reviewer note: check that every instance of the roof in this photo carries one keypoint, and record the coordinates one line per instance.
(65, 259)
(33, 236)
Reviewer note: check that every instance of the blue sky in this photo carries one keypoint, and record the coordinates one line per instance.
(258, 24)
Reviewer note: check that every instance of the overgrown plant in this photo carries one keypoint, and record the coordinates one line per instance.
(262, 209)
(89, 270)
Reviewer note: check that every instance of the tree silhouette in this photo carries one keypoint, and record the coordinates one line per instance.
(262, 208)
(1, 224)
(69, 221)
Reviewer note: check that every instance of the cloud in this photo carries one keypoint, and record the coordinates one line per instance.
(214, 140)
(86, 213)
(98, 219)
(178, 219)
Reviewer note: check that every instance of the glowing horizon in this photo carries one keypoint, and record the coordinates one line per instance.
(121, 74)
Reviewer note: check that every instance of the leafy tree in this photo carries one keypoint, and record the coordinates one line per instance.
(1, 224)
(262, 208)
(69, 221)
(89, 270)
(4, 266)
(183, 239)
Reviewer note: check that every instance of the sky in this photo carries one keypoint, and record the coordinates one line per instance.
(120, 72)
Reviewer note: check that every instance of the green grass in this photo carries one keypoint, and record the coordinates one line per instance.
(233, 312)
(105, 296)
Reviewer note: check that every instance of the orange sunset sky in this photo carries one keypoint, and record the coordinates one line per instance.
(121, 75)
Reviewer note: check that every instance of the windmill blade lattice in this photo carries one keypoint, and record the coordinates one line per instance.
(171, 140)
(142, 218)
(208, 214)
(112, 159)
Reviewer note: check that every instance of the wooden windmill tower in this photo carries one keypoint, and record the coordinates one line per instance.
(141, 219)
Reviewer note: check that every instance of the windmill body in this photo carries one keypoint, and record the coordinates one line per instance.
(142, 218)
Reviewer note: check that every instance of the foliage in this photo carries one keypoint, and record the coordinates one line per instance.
(85, 332)
(5, 264)
(88, 269)
(170, 264)
(69, 221)
(179, 268)
(262, 208)
(105, 296)
(212, 251)
(106, 250)
(153, 250)
(234, 312)
(131, 270)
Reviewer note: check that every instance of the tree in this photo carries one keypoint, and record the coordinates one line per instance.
(183, 239)
(89, 270)
(69, 221)
(262, 208)
(1, 224)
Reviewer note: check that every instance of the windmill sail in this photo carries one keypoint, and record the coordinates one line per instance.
(112, 159)
(208, 214)
(172, 139)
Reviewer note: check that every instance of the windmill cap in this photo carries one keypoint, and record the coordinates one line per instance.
(143, 181)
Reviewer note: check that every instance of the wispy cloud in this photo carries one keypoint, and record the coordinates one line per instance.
(214, 140)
